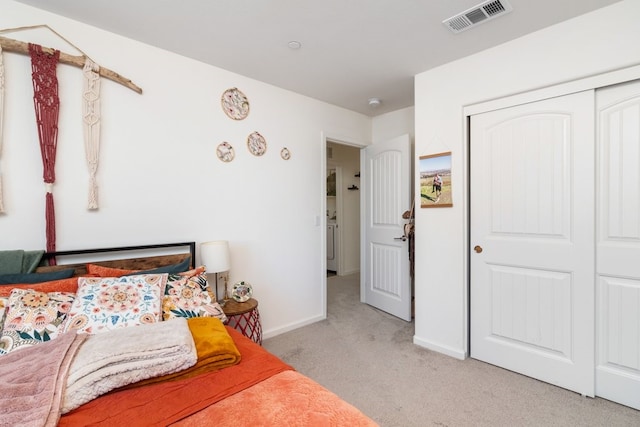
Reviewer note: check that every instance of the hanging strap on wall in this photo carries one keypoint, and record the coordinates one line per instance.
(409, 234)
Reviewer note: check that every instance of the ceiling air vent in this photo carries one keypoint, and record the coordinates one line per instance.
(477, 15)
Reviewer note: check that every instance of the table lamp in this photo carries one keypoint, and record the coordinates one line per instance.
(215, 257)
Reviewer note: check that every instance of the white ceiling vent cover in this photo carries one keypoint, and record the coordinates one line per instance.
(477, 15)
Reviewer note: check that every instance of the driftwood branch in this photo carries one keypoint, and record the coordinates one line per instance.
(17, 46)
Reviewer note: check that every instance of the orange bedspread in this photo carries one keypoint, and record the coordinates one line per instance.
(286, 399)
(168, 402)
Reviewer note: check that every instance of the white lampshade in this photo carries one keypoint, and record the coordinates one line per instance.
(215, 256)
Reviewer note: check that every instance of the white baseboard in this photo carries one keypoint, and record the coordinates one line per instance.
(291, 326)
(449, 351)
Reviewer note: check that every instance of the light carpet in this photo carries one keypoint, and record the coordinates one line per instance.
(367, 357)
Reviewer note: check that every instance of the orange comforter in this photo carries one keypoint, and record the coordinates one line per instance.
(168, 402)
(286, 399)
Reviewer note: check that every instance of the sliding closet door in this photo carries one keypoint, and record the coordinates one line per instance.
(618, 245)
(532, 234)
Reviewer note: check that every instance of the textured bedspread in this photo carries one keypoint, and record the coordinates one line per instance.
(286, 399)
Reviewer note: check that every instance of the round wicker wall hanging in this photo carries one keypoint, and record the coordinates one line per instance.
(256, 144)
(225, 152)
(235, 104)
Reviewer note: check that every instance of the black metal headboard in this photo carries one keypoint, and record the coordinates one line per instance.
(48, 256)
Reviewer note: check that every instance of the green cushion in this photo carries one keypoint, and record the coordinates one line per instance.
(181, 267)
(12, 279)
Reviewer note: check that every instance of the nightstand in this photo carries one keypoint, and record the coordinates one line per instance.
(245, 318)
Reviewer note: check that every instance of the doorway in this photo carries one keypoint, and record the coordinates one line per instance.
(342, 210)
(385, 283)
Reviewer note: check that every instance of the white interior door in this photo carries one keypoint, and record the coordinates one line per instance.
(386, 192)
(618, 245)
(532, 224)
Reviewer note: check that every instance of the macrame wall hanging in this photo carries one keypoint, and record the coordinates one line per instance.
(47, 104)
(91, 125)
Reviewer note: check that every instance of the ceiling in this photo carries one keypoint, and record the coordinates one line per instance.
(351, 50)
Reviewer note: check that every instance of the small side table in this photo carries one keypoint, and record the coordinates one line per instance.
(245, 318)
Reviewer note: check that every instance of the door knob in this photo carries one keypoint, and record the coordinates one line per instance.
(403, 238)
(477, 248)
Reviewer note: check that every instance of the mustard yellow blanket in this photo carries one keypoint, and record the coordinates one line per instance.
(215, 347)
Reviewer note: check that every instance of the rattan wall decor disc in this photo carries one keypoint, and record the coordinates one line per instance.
(225, 152)
(256, 144)
(235, 104)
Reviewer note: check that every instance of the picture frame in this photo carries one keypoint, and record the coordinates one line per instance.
(435, 181)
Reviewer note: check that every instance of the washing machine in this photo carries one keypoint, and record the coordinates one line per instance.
(332, 252)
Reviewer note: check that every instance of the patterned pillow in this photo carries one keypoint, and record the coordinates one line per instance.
(188, 295)
(106, 303)
(33, 317)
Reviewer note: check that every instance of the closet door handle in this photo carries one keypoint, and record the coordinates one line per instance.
(477, 248)
(403, 238)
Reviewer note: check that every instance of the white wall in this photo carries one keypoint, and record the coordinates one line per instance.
(597, 42)
(389, 125)
(160, 179)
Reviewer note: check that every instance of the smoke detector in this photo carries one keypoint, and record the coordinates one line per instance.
(374, 102)
(478, 14)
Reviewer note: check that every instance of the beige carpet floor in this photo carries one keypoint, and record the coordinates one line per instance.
(367, 357)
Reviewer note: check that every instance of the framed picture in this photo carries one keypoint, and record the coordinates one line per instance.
(435, 181)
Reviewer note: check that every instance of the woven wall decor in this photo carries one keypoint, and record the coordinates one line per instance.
(256, 144)
(225, 152)
(235, 104)
(47, 108)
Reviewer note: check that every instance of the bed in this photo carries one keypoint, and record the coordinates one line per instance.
(244, 386)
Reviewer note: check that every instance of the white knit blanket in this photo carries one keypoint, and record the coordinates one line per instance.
(123, 356)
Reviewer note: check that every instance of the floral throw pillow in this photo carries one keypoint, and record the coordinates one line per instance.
(106, 303)
(33, 317)
(188, 295)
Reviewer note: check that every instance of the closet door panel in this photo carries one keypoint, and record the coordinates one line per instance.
(618, 245)
(532, 230)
